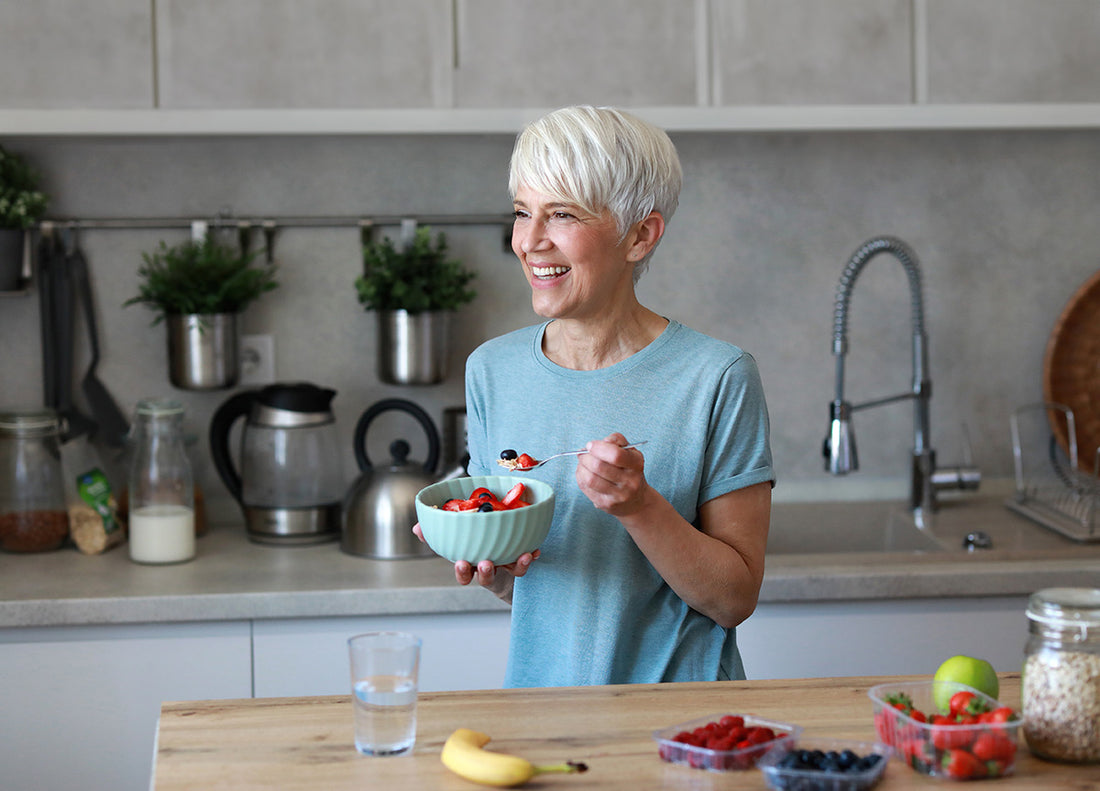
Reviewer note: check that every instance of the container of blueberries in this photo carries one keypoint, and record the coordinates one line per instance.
(821, 764)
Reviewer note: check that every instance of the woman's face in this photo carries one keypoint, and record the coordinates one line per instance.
(575, 262)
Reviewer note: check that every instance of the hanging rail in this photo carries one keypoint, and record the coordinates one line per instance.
(244, 226)
(226, 221)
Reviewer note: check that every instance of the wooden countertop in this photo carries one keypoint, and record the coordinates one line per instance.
(306, 743)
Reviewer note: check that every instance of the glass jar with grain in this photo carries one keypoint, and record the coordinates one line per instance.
(33, 516)
(1061, 678)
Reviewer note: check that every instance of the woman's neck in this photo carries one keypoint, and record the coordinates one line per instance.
(591, 344)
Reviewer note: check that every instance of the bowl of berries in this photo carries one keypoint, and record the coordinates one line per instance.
(974, 738)
(722, 742)
(485, 517)
(822, 764)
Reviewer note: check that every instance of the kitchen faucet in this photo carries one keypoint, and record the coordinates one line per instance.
(840, 445)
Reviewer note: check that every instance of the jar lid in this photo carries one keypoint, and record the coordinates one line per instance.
(1065, 607)
(160, 407)
(37, 420)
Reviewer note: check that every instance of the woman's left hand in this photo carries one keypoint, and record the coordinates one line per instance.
(612, 477)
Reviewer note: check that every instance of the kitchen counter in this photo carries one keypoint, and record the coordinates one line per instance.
(234, 579)
(306, 743)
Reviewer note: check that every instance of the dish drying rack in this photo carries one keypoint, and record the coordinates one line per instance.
(1052, 489)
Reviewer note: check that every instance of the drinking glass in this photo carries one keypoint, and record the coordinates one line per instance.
(384, 667)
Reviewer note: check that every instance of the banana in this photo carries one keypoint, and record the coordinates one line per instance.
(464, 755)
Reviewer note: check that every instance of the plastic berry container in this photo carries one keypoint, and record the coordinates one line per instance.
(857, 777)
(975, 751)
(715, 759)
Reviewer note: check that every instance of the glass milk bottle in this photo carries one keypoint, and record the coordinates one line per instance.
(162, 506)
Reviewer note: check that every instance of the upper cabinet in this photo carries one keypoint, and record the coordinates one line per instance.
(283, 54)
(67, 54)
(148, 67)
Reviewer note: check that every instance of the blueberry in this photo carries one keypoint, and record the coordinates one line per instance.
(847, 759)
(485, 507)
(508, 455)
(791, 761)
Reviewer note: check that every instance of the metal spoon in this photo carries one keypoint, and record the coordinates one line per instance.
(569, 453)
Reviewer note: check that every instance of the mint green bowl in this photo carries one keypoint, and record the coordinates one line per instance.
(499, 536)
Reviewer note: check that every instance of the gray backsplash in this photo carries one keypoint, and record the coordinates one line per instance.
(1002, 222)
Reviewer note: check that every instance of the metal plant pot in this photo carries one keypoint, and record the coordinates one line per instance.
(203, 351)
(412, 347)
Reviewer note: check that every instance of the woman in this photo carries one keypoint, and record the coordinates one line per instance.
(655, 554)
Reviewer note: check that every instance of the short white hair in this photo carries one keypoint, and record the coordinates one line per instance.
(600, 158)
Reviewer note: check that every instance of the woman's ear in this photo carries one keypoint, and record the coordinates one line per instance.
(645, 236)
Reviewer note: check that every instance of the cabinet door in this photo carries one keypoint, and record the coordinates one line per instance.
(310, 657)
(264, 54)
(872, 638)
(71, 53)
(80, 704)
(620, 52)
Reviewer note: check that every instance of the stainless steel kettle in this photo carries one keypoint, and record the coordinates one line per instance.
(380, 508)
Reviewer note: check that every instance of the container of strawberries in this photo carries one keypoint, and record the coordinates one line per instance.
(722, 742)
(975, 738)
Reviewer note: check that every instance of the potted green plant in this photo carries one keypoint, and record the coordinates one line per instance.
(198, 289)
(22, 204)
(414, 289)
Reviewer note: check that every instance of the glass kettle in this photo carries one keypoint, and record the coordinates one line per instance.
(290, 483)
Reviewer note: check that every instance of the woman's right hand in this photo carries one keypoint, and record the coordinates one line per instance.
(487, 574)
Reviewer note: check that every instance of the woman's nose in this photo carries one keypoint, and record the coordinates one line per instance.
(528, 237)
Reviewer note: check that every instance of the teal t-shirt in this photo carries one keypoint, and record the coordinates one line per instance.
(592, 609)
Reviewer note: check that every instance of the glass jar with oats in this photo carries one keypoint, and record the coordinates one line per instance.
(1061, 676)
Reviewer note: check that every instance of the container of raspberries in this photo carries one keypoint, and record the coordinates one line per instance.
(722, 742)
(820, 764)
(966, 736)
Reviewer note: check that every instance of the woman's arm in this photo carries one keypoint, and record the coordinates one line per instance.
(717, 570)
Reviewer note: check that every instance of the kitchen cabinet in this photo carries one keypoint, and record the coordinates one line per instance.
(81, 703)
(295, 657)
(232, 67)
(849, 638)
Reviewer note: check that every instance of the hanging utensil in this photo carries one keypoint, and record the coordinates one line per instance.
(47, 249)
(75, 422)
(112, 423)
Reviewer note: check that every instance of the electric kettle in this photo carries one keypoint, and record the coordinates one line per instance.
(290, 482)
(380, 509)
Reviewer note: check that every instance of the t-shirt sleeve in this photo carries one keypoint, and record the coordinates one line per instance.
(738, 448)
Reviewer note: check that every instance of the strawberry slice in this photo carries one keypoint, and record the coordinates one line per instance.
(511, 500)
(525, 462)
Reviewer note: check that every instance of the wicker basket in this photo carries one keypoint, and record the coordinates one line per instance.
(1071, 371)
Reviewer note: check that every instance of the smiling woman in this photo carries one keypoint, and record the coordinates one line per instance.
(650, 561)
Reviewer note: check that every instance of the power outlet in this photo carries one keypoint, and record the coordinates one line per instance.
(257, 359)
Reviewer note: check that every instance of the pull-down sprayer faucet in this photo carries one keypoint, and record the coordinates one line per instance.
(840, 446)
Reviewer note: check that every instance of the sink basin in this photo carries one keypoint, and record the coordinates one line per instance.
(864, 526)
(876, 526)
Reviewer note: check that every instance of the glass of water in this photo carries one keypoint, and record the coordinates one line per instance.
(384, 667)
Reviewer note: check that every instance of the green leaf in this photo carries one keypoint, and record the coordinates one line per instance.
(418, 279)
(200, 277)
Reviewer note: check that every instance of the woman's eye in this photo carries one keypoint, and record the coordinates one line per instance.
(562, 215)
(519, 214)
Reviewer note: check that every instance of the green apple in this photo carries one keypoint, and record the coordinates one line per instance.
(976, 673)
